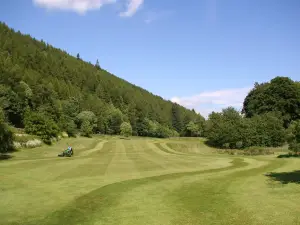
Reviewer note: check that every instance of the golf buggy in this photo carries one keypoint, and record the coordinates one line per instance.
(67, 153)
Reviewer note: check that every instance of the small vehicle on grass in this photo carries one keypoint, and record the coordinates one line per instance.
(67, 153)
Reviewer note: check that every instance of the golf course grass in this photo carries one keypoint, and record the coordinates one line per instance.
(177, 181)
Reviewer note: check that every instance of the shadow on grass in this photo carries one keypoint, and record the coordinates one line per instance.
(5, 157)
(286, 177)
(125, 138)
(289, 155)
(207, 143)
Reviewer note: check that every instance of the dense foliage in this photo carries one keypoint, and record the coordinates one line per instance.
(47, 91)
(38, 79)
(293, 136)
(268, 109)
(229, 129)
(40, 125)
(86, 128)
(281, 95)
(126, 129)
(154, 129)
(6, 135)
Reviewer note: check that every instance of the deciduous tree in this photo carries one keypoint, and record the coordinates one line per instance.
(126, 129)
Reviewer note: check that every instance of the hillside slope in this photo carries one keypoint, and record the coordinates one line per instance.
(38, 77)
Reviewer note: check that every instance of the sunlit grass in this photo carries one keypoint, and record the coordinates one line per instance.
(146, 181)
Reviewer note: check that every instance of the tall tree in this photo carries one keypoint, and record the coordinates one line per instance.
(293, 136)
(126, 129)
(176, 118)
(281, 94)
(97, 65)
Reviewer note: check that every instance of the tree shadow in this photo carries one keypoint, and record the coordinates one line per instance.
(5, 157)
(125, 138)
(285, 177)
(289, 155)
(209, 144)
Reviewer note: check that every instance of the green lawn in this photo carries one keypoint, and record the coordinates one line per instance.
(146, 181)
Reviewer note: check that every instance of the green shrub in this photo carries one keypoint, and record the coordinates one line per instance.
(87, 116)
(114, 120)
(6, 136)
(293, 136)
(6, 139)
(38, 124)
(86, 129)
(239, 145)
(71, 128)
(68, 125)
(226, 145)
(228, 129)
(64, 134)
(126, 129)
(154, 129)
(295, 147)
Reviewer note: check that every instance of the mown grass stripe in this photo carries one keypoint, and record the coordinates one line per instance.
(159, 146)
(210, 199)
(140, 181)
(85, 208)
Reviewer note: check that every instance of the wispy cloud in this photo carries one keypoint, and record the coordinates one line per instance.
(207, 102)
(79, 6)
(82, 6)
(132, 7)
(152, 16)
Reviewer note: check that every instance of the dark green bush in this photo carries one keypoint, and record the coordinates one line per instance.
(40, 125)
(229, 129)
(6, 136)
(239, 144)
(126, 129)
(86, 129)
(68, 125)
(293, 136)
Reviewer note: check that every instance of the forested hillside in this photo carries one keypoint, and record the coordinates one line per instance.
(46, 91)
(42, 86)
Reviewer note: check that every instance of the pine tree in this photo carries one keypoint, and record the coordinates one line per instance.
(38, 64)
(176, 120)
(97, 65)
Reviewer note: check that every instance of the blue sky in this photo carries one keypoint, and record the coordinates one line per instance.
(204, 54)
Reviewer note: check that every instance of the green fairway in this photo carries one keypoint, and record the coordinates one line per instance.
(146, 181)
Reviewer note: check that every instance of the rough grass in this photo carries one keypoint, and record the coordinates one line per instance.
(146, 181)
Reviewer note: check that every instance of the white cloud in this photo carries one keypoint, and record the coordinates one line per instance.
(132, 7)
(206, 102)
(79, 6)
(82, 6)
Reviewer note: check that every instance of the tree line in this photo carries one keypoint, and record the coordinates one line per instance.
(45, 90)
(270, 118)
